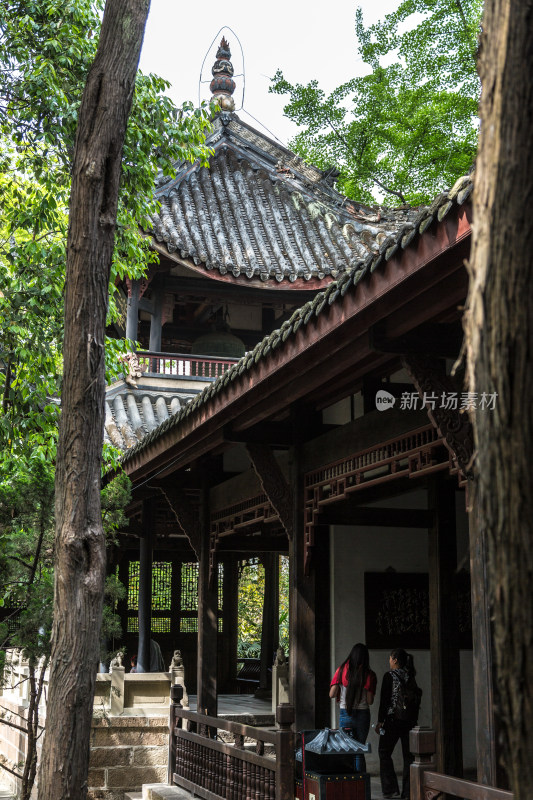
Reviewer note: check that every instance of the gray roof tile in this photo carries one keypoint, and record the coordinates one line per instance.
(258, 211)
(133, 413)
(303, 316)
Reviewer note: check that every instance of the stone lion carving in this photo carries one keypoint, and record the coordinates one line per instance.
(177, 661)
(135, 372)
(116, 661)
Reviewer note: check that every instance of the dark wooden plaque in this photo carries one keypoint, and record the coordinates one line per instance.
(397, 610)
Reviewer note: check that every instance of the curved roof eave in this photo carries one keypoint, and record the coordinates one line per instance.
(275, 350)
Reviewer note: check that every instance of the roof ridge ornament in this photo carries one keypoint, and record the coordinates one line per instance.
(222, 86)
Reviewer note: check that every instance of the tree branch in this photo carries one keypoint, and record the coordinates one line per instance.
(460, 9)
(20, 561)
(10, 711)
(8, 769)
(388, 189)
(462, 14)
(348, 146)
(13, 725)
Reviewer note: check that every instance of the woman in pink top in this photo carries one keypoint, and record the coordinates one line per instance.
(354, 686)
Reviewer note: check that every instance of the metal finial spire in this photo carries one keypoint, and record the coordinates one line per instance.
(222, 86)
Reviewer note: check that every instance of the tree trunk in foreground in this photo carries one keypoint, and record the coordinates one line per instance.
(499, 330)
(80, 545)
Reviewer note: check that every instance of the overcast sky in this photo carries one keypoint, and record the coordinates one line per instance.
(304, 40)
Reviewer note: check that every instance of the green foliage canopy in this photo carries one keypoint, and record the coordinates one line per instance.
(46, 49)
(250, 606)
(408, 128)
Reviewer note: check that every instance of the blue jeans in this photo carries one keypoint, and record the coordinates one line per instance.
(358, 722)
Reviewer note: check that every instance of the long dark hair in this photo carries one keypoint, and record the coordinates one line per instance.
(405, 661)
(358, 669)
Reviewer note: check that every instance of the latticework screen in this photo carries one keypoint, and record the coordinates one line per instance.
(133, 586)
(189, 586)
(189, 597)
(159, 625)
(161, 595)
(187, 590)
(161, 586)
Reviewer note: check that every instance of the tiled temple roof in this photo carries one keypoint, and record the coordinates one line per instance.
(303, 316)
(130, 414)
(258, 211)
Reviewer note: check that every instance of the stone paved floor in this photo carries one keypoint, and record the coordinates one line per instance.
(238, 704)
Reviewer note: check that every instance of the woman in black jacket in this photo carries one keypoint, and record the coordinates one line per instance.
(393, 724)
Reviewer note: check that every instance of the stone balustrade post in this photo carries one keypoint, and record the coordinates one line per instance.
(422, 744)
(280, 685)
(117, 691)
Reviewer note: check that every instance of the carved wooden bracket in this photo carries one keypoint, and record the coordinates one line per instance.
(273, 482)
(452, 422)
(186, 515)
(144, 282)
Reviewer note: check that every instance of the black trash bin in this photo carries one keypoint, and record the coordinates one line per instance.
(329, 772)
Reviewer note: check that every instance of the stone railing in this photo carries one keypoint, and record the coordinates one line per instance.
(129, 736)
(118, 693)
(15, 686)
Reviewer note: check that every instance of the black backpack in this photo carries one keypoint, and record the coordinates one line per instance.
(408, 699)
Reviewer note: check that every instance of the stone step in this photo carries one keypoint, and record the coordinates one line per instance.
(133, 796)
(162, 791)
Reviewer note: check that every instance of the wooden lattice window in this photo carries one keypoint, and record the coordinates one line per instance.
(161, 596)
(189, 597)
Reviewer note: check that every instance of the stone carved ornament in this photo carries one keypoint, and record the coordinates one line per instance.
(135, 372)
(177, 661)
(116, 662)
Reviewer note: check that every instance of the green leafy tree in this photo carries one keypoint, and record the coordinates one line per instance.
(26, 575)
(250, 606)
(46, 51)
(46, 48)
(408, 128)
(26, 578)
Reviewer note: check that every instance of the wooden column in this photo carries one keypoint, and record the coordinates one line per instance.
(270, 626)
(145, 586)
(132, 316)
(444, 640)
(302, 676)
(207, 618)
(230, 617)
(156, 321)
(482, 656)
(323, 626)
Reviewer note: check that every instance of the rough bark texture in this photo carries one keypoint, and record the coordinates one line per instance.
(499, 328)
(80, 546)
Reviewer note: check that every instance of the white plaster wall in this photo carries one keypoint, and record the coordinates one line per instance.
(356, 550)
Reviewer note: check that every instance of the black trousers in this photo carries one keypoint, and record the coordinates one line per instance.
(394, 730)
